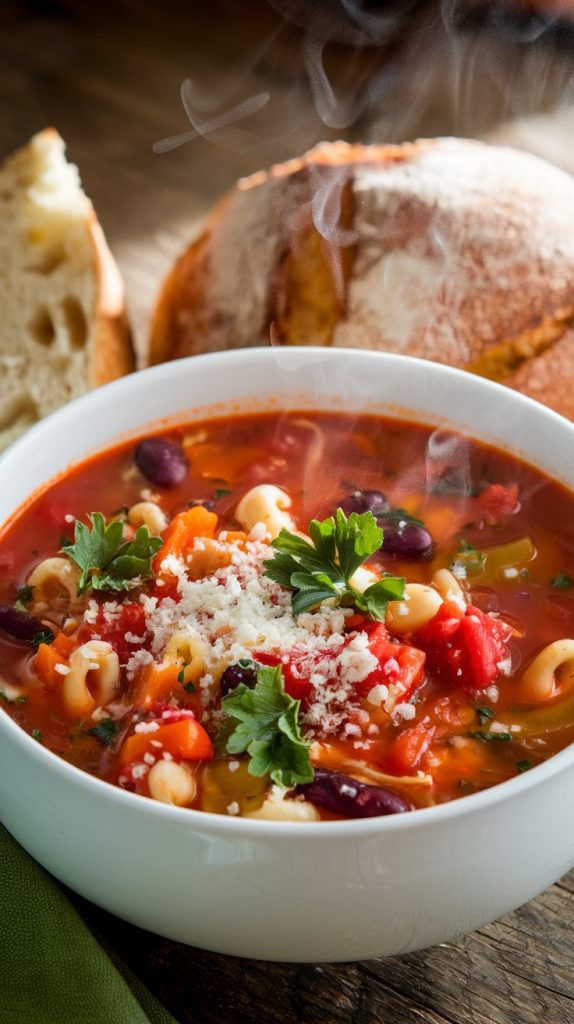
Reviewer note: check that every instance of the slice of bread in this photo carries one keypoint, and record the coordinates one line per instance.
(63, 328)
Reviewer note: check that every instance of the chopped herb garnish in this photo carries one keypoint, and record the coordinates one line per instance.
(264, 722)
(484, 713)
(105, 731)
(189, 687)
(221, 492)
(107, 563)
(490, 735)
(322, 570)
(20, 699)
(36, 734)
(471, 558)
(43, 636)
(181, 675)
(524, 573)
(561, 581)
(24, 596)
(524, 766)
(466, 785)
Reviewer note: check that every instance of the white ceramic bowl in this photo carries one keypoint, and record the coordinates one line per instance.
(334, 891)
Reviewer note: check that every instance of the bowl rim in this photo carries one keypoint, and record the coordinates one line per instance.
(240, 827)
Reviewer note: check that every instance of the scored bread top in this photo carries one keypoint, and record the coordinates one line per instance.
(64, 328)
(444, 248)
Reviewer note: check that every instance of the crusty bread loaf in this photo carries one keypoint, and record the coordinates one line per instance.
(447, 249)
(63, 328)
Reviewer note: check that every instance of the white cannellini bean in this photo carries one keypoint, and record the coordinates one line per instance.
(539, 681)
(278, 809)
(147, 513)
(265, 504)
(448, 587)
(419, 605)
(172, 783)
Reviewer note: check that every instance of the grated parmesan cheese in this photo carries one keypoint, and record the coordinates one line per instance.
(238, 612)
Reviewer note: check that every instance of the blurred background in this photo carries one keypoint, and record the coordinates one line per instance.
(164, 105)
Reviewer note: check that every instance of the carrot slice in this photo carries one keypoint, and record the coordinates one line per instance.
(45, 664)
(186, 740)
(182, 531)
(50, 655)
(64, 644)
(156, 681)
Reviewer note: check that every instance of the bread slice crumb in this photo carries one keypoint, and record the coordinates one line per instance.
(64, 328)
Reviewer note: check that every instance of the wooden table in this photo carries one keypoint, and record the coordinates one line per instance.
(110, 82)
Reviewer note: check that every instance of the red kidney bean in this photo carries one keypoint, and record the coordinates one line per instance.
(20, 625)
(365, 501)
(351, 799)
(162, 462)
(406, 539)
(402, 536)
(244, 671)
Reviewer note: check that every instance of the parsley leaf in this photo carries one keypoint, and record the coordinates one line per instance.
(264, 722)
(107, 563)
(24, 597)
(490, 735)
(473, 560)
(561, 581)
(221, 492)
(43, 636)
(18, 699)
(524, 766)
(323, 568)
(36, 734)
(105, 731)
(484, 713)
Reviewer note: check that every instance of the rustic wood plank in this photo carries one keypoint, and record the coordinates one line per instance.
(510, 972)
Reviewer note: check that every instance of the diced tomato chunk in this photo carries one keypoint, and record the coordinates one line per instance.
(444, 624)
(401, 665)
(296, 685)
(482, 641)
(410, 745)
(130, 619)
(467, 650)
(498, 501)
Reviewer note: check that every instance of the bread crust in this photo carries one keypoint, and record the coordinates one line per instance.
(447, 249)
(112, 353)
(549, 378)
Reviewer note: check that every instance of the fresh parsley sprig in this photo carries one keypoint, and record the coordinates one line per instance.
(106, 561)
(323, 569)
(264, 723)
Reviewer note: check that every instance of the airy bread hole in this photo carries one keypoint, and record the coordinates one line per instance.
(48, 260)
(76, 322)
(41, 327)
(18, 411)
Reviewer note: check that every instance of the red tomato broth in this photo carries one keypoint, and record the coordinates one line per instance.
(318, 458)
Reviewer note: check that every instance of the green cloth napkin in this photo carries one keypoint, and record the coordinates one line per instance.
(52, 969)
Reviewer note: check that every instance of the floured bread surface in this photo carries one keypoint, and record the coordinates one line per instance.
(448, 249)
(63, 328)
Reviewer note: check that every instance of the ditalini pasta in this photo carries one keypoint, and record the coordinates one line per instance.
(293, 617)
